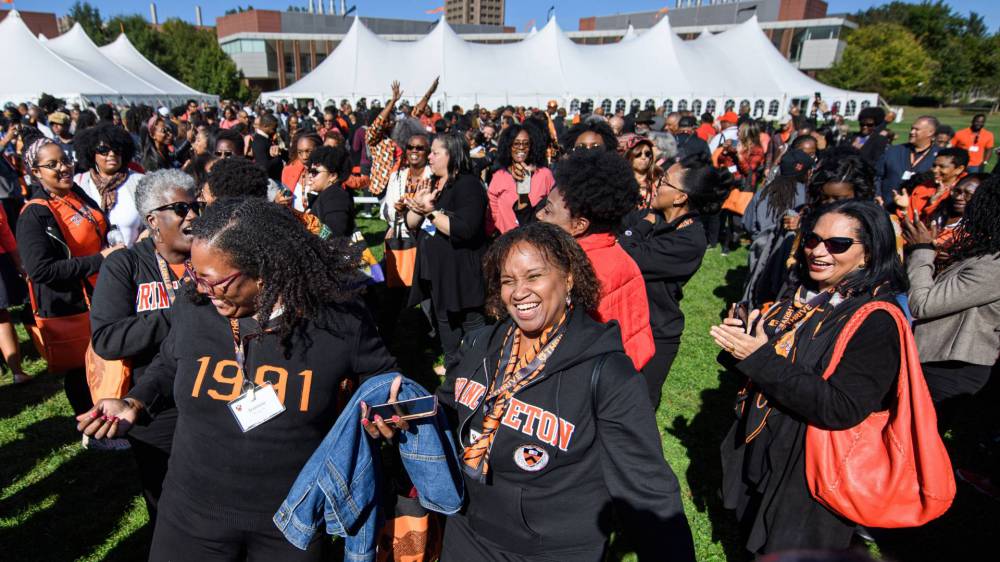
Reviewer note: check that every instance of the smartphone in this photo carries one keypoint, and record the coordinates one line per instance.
(740, 311)
(423, 407)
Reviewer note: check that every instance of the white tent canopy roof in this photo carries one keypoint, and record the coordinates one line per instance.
(655, 67)
(72, 67)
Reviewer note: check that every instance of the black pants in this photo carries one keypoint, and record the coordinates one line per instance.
(658, 368)
(452, 327)
(152, 463)
(949, 379)
(187, 531)
(77, 391)
(711, 225)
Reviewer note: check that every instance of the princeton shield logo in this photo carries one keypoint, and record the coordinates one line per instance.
(531, 458)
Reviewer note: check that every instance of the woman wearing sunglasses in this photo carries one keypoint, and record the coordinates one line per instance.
(293, 176)
(523, 179)
(333, 205)
(104, 152)
(61, 236)
(639, 153)
(157, 137)
(847, 259)
(131, 312)
(668, 243)
(275, 316)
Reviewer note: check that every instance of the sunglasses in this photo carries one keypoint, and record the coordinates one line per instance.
(590, 146)
(644, 153)
(224, 153)
(315, 171)
(210, 286)
(182, 208)
(417, 147)
(834, 244)
(104, 150)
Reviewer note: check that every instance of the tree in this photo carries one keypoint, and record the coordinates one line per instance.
(884, 57)
(89, 18)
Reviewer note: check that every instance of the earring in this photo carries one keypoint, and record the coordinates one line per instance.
(569, 300)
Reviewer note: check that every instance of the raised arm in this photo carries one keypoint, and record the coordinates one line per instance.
(419, 109)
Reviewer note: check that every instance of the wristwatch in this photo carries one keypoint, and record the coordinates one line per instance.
(430, 216)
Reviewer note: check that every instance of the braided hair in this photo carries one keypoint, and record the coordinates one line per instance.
(980, 230)
(309, 276)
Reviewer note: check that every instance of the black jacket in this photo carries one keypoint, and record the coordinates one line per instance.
(763, 471)
(334, 207)
(57, 278)
(212, 461)
(153, 160)
(588, 467)
(261, 149)
(668, 256)
(453, 264)
(129, 319)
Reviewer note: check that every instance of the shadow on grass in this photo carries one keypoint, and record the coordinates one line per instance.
(701, 436)
(77, 498)
(18, 397)
(732, 289)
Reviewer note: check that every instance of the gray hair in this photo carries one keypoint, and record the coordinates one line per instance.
(665, 143)
(152, 190)
(408, 127)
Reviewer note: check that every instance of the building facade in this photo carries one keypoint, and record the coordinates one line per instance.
(481, 12)
(800, 29)
(38, 22)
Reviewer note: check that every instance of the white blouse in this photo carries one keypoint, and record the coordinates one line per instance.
(124, 215)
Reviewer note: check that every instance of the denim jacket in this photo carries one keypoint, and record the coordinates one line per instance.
(340, 485)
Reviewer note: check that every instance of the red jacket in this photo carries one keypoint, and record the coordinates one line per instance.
(623, 295)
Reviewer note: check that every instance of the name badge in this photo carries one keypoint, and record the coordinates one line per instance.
(907, 175)
(973, 148)
(256, 406)
(429, 227)
(732, 169)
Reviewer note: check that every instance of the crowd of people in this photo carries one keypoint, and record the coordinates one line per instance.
(198, 275)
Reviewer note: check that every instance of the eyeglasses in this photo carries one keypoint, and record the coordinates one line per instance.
(210, 286)
(315, 171)
(417, 147)
(644, 154)
(834, 244)
(104, 150)
(182, 208)
(521, 144)
(224, 153)
(56, 164)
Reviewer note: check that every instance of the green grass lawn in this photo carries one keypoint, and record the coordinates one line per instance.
(61, 502)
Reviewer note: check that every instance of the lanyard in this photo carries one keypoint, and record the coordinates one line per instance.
(168, 283)
(914, 164)
(234, 326)
(511, 383)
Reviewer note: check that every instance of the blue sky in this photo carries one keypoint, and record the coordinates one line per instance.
(519, 12)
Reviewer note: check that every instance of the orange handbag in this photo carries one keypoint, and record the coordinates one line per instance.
(737, 201)
(62, 341)
(400, 257)
(107, 378)
(891, 470)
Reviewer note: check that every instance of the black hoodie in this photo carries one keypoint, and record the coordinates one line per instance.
(129, 318)
(668, 255)
(561, 501)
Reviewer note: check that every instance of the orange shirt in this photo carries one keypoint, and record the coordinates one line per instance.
(920, 201)
(705, 132)
(978, 144)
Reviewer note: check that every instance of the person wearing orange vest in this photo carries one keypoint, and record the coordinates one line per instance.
(977, 141)
(61, 235)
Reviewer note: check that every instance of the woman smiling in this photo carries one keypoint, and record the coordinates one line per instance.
(847, 259)
(552, 420)
(105, 152)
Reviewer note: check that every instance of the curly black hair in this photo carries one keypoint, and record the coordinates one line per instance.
(850, 169)
(599, 186)
(599, 126)
(705, 185)
(333, 158)
(980, 230)
(558, 248)
(536, 154)
(308, 275)
(237, 177)
(118, 139)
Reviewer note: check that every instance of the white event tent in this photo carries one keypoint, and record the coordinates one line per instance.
(73, 68)
(737, 67)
